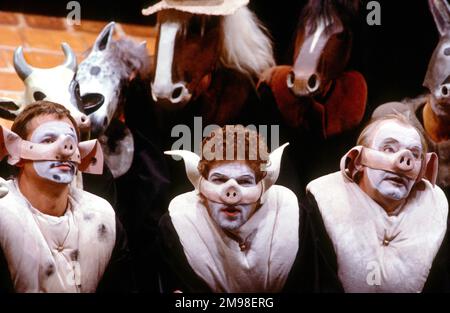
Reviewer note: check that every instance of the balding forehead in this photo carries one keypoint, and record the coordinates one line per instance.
(405, 134)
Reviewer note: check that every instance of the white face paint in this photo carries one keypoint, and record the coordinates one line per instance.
(391, 137)
(231, 217)
(57, 171)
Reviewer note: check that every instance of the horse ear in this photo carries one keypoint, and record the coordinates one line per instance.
(8, 109)
(104, 38)
(441, 13)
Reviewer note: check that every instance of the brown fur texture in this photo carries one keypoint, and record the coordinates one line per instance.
(341, 109)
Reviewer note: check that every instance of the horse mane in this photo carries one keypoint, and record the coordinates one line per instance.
(134, 55)
(314, 10)
(246, 44)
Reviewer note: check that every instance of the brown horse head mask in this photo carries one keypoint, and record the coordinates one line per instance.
(437, 78)
(187, 51)
(322, 46)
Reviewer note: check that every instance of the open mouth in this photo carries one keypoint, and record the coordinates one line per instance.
(231, 211)
(397, 181)
(63, 166)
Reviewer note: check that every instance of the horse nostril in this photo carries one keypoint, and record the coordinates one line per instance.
(177, 92)
(444, 91)
(290, 80)
(105, 121)
(313, 82)
(92, 102)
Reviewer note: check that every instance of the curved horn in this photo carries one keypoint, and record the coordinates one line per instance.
(273, 170)
(71, 58)
(22, 68)
(191, 164)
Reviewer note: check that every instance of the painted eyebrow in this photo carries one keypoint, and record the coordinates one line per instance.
(246, 176)
(390, 141)
(416, 148)
(219, 175)
(394, 141)
(49, 134)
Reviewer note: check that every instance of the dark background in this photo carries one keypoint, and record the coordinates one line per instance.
(393, 57)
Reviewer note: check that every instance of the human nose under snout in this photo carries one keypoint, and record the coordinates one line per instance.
(405, 161)
(231, 194)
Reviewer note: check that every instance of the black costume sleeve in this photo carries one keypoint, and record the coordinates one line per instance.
(175, 271)
(101, 185)
(439, 277)
(6, 284)
(118, 276)
(315, 268)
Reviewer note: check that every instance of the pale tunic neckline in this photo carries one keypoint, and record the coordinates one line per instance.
(271, 243)
(59, 232)
(378, 252)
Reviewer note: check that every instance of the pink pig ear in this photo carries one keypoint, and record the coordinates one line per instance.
(91, 157)
(431, 167)
(350, 163)
(10, 144)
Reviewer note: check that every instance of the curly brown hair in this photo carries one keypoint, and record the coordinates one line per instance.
(231, 143)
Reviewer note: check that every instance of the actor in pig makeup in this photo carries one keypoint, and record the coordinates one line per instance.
(55, 237)
(237, 231)
(383, 228)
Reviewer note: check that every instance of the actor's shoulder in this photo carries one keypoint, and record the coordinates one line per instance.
(282, 192)
(326, 183)
(185, 197)
(12, 205)
(184, 203)
(11, 196)
(438, 194)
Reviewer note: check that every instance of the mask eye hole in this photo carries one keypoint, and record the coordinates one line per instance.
(447, 51)
(38, 95)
